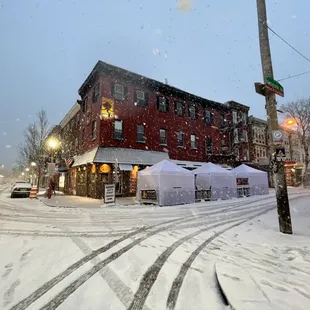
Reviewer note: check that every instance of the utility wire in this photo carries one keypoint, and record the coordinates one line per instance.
(289, 44)
(293, 76)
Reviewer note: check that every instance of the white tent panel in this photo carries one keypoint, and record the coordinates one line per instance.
(258, 180)
(219, 180)
(174, 184)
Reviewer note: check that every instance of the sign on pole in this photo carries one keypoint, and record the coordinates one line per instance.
(51, 169)
(109, 193)
(278, 137)
(280, 154)
(274, 86)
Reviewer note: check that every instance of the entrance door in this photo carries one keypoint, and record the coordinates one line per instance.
(118, 185)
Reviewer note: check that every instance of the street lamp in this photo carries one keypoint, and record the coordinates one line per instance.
(52, 144)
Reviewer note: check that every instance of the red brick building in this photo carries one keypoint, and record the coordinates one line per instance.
(128, 122)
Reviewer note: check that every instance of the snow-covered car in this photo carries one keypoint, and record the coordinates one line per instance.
(16, 182)
(21, 190)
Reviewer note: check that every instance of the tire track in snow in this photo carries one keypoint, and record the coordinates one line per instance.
(25, 303)
(71, 288)
(178, 281)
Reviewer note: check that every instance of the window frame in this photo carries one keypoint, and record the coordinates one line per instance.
(166, 110)
(139, 133)
(96, 92)
(194, 146)
(160, 137)
(115, 92)
(209, 123)
(94, 130)
(121, 135)
(180, 134)
(192, 106)
(176, 108)
(209, 146)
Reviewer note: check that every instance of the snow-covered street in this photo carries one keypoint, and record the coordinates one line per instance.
(138, 257)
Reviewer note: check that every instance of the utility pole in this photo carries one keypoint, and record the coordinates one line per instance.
(283, 207)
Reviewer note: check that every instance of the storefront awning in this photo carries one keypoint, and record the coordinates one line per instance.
(85, 158)
(125, 167)
(128, 156)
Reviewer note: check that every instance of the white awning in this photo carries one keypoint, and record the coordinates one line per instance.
(129, 156)
(86, 158)
(125, 167)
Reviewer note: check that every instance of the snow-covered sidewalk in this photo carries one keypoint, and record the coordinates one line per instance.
(65, 201)
(260, 268)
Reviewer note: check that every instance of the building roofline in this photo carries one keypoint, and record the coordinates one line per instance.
(73, 111)
(102, 67)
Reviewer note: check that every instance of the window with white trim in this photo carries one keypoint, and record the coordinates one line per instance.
(118, 130)
(162, 136)
(234, 117)
(193, 141)
(180, 138)
(119, 91)
(140, 133)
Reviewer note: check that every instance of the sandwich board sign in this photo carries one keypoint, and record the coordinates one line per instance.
(109, 193)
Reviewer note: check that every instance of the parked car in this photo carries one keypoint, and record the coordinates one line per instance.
(21, 190)
(14, 183)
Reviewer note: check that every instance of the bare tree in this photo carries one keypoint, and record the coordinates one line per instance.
(299, 110)
(33, 149)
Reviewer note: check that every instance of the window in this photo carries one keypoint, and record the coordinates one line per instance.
(208, 117)
(234, 117)
(140, 134)
(141, 98)
(193, 141)
(118, 91)
(180, 139)
(163, 136)
(245, 136)
(222, 120)
(179, 108)
(96, 93)
(236, 135)
(244, 118)
(118, 130)
(209, 147)
(192, 112)
(163, 105)
(94, 130)
(83, 135)
(84, 104)
(76, 143)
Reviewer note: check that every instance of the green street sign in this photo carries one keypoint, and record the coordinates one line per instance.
(274, 86)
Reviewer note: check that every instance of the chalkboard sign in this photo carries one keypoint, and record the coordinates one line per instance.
(149, 195)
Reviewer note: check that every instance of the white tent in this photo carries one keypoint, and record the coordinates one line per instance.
(257, 179)
(220, 181)
(173, 184)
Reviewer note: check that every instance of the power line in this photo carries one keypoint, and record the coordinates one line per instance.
(293, 76)
(291, 46)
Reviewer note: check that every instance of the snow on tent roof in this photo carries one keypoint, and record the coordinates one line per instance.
(164, 166)
(246, 169)
(209, 168)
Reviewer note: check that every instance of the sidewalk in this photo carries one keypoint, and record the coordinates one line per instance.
(66, 201)
(260, 268)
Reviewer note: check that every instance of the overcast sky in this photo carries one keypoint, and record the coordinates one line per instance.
(48, 47)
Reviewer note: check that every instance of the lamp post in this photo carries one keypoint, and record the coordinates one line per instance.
(33, 179)
(52, 144)
(27, 171)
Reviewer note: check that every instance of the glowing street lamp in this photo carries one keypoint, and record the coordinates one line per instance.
(33, 164)
(27, 169)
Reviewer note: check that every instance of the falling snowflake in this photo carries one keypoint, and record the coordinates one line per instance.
(156, 51)
(8, 146)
